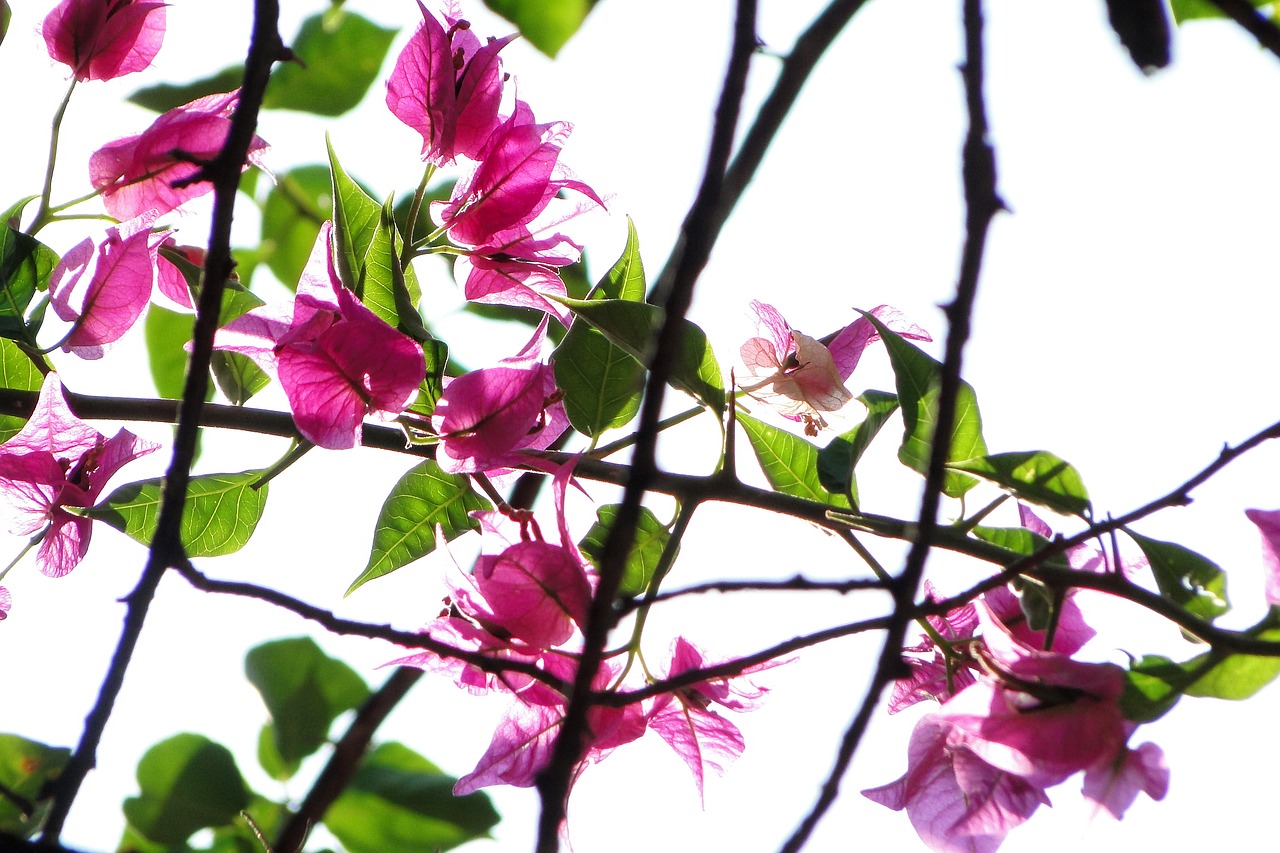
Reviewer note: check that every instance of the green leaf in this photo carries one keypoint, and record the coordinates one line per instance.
(399, 802)
(6, 15)
(390, 290)
(646, 551)
(1239, 676)
(918, 376)
(165, 97)
(13, 216)
(1187, 10)
(25, 266)
(790, 463)
(295, 208)
(1019, 540)
(187, 783)
(238, 378)
(340, 58)
(26, 766)
(167, 332)
(547, 24)
(406, 530)
(837, 461)
(19, 372)
(1033, 475)
(1154, 684)
(221, 514)
(356, 216)
(1191, 581)
(631, 326)
(305, 690)
(625, 279)
(269, 757)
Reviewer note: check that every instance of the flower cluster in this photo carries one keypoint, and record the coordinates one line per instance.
(1017, 715)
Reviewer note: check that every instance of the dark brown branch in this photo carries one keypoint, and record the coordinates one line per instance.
(799, 583)
(347, 755)
(1258, 25)
(794, 73)
(982, 203)
(265, 48)
(696, 239)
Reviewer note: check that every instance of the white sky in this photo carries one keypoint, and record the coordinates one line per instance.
(1123, 323)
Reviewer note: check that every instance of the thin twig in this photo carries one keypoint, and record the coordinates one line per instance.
(982, 203)
(799, 583)
(265, 48)
(696, 240)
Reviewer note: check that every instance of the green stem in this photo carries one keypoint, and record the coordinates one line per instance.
(623, 443)
(35, 540)
(43, 212)
(408, 252)
(296, 451)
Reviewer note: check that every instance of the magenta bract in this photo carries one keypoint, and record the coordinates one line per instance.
(337, 361)
(104, 39)
(59, 461)
(1268, 522)
(138, 173)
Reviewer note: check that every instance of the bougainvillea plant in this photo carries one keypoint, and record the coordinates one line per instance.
(1014, 682)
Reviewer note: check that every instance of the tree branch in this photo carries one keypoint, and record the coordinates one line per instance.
(265, 48)
(1259, 26)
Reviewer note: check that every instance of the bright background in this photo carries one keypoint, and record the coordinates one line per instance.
(1125, 322)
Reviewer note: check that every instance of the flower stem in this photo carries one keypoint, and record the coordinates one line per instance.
(43, 212)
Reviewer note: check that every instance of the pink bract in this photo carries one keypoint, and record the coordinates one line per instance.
(6, 602)
(104, 39)
(1268, 522)
(1113, 785)
(337, 361)
(112, 298)
(59, 461)
(448, 88)
(138, 173)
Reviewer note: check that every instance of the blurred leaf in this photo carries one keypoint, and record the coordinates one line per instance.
(269, 757)
(340, 59)
(304, 690)
(838, 460)
(25, 267)
(165, 97)
(1191, 581)
(167, 333)
(6, 14)
(547, 24)
(406, 530)
(187, 783)
(221, 514)
(646, 551)
(1033, 475)
(26, 766)
(1187, 10)
(19, 372)
(918, 377)
(790, 463)
(399, 802)
(295, 208)
(237, 376)
(1238, 676)
(631, 326)
(1020, 540)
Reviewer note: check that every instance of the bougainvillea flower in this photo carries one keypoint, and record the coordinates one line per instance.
(58, 461)
(107, 302)
(336, 360)
(516, 179)
(686, 720)
(1268, 522)
(104, 39)
(138, 173)
(536, 592)
(956, 801)
(486, 417)
(511, 282)
(799, 376)
(6, 602)
(1113, 785)
(448, 88)
(169, 279)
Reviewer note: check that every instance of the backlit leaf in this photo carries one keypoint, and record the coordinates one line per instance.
(790, 463)
(340, 59)
(837, 461)
(187, 783)
(1033, 475)
(646, 550)
(1186, 578)
(26, 766)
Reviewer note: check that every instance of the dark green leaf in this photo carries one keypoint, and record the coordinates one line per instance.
(1153, 686)
(1189, 580)
(221, 514)
(918, 376)
(19, 372)
(187, 783)
(1019, 540)
(295, 208)
(269, 757)
(304, 690)
(25, 266)
(340, 58)
(1187, 10)
(25, 767)
(631, 325)
(646, 551)
(837, 461)
(399, 802)
(1033, 475)
(547, 24)
(237, 376)
(790, 463)
(13, 216)
(356, 216)
(165, 97)
(424, 498)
